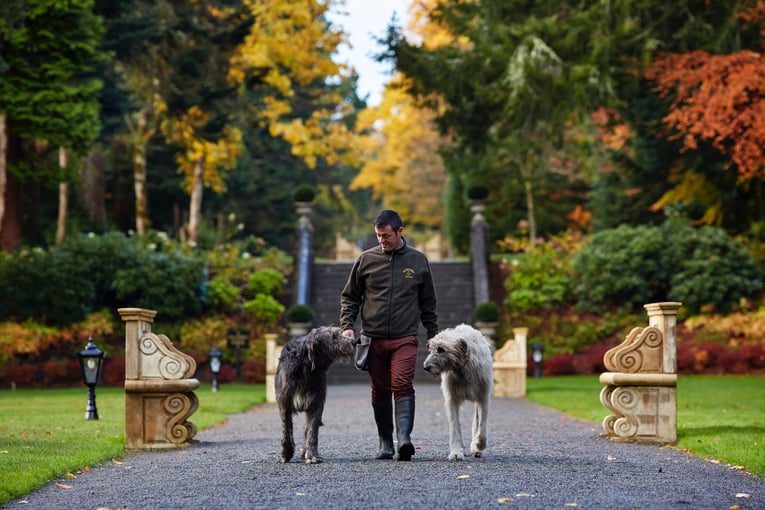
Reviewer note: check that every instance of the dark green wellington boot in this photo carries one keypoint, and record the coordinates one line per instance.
(404, 425)
(384, 419)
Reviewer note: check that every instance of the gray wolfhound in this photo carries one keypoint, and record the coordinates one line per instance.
(462, 356)
(301, 384)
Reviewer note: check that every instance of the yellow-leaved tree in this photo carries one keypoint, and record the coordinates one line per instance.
(400, 141)
(402, 167)
(289, 48)
(201, 159)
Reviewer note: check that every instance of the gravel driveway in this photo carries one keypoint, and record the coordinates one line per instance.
(536, 458)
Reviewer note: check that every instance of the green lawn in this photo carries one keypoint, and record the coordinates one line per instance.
(719, 417)
(44, 434)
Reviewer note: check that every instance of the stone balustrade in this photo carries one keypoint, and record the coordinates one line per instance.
(641, 382)
(159, 394)
(510, 366)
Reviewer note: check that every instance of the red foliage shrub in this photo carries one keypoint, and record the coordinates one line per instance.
(560, 364)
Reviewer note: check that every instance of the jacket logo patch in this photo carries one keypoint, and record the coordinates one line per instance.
(408, 272)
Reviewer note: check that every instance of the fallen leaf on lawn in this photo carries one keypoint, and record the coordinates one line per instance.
(570, 504)
(524, 495)
(71, 475)
(300, 494)
(738, 468)
(462, 477)
(734, 507)
(63, 486)
(504, 500)
(743, 495)
(115, 461)
(611, 457)
(713, 461)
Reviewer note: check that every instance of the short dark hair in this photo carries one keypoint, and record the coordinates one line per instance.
(388, 217)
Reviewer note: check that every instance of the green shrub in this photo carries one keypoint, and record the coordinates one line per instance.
(170, 283)
(539, 279)
(264, 308)
(304, 193)
(223, 294)
(632, 266)
(266, 281)
(299, 313)
(487, 311)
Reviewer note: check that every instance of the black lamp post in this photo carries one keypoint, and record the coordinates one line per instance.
(536, 354)
(215, 356)
(91, 362)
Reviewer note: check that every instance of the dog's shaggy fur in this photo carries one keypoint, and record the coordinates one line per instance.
(301, 384)
(463, 359)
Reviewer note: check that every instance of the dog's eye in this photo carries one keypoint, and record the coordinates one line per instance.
(440, 350)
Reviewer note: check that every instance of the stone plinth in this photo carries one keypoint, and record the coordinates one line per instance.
(159, 394)
(641, 384)
(273, 352)
(510, 366)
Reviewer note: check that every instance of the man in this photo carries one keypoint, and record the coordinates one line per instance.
(391, 286)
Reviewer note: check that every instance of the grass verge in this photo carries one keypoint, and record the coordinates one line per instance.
(718, 417)
(44, 434)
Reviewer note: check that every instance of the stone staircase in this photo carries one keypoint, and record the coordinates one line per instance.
(454, 287)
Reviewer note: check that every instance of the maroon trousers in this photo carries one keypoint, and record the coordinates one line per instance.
(392, 363)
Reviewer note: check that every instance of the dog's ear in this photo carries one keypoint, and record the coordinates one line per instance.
(311, 343)
(462, 348)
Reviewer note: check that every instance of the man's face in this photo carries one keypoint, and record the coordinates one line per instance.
(388, 238)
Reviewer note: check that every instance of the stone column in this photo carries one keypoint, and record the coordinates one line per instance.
(304, 252)
(479, 253)
(273, 352)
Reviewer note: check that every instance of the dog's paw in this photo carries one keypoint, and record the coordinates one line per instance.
(313, 459)
(477, 454)
(456, 456)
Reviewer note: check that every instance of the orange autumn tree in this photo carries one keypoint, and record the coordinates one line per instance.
(719, 100)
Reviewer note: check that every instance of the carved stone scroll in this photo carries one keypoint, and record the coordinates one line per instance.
(159, 394)
(641, 387)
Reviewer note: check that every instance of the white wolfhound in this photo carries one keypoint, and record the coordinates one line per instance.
(462, 356)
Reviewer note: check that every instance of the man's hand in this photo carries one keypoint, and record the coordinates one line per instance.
(349, 333)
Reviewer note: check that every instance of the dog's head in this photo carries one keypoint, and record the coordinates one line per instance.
(446, 351)
(326, 344)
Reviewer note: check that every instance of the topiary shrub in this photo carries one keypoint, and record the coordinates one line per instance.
(299, 313)
(304, 193)
(477, 192)
(487, 311)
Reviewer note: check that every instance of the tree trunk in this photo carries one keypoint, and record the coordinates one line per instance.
(63, 192)
(530, 213)
(195, 207)
(3, 166)
(139, 174)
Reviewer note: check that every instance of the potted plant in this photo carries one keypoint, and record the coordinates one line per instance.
(299, 319)
(304, 194)
(477, 192)
(486, 319)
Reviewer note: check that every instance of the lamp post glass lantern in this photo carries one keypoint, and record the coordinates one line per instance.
(91, 363)
(215, 356)
(537, 350)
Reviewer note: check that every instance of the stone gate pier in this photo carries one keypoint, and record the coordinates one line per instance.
(510, 366)
(159, 394)
(641, 384)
